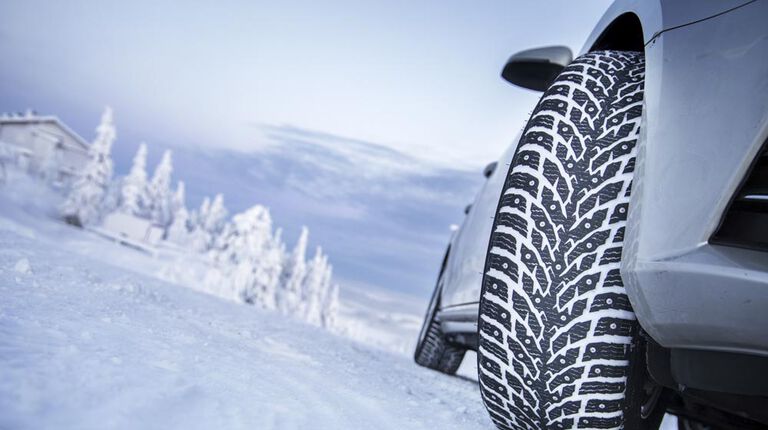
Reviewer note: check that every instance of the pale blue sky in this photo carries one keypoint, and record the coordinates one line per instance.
(367, 121)
(418, 76)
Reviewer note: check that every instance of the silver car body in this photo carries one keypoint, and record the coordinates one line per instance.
(705, 121)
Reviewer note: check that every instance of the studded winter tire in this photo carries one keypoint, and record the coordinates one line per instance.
(432, 348)
(555, 326)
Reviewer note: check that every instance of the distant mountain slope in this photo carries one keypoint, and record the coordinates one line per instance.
(383, 217)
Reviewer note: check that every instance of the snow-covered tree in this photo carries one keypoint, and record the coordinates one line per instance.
(213, 219)
(289, 298)
(313, 288)
(330, 308)
(199, 238)
(133, 194)
(207, 223)
(102, 145)
(319, 294)
(111, 200)
(201, 212)
(272, 260)
(178, 201)
(160, 191)
(178, 232)
(247, 253)
(84, 203)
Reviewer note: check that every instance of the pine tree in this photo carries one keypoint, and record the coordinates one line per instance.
(134, 197)
(290, 295)
(200, 239)
(214, 218)
(83, 205)
(111, 199)
(330, 308)
(160, 191)
(278, 258)
(105, 137)
(248, 255)
(178, 232)
(179, 198)
(209, 223)
(313, 287)
(272, 260)
(202, 212)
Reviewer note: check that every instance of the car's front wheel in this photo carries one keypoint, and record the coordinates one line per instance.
(556, 328)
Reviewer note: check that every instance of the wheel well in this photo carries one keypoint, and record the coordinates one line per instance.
(625, 33)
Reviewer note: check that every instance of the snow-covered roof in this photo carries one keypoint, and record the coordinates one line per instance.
(37, 119)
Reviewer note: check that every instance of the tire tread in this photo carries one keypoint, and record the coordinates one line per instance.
(555, 325)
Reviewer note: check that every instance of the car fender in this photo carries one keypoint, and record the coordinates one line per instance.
(657, 16)
(705, 120)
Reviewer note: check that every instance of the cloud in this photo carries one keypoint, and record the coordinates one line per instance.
(331, 166)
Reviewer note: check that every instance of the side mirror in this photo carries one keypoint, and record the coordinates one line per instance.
(536, 69)
(489, 169)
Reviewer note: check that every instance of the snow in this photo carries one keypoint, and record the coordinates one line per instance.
(88, 339)
(126, 225)
(22, 266)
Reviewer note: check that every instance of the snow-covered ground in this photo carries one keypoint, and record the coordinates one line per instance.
(91, 338)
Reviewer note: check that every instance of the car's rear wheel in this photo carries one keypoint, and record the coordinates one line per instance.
(433, 350)
(556, 328)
